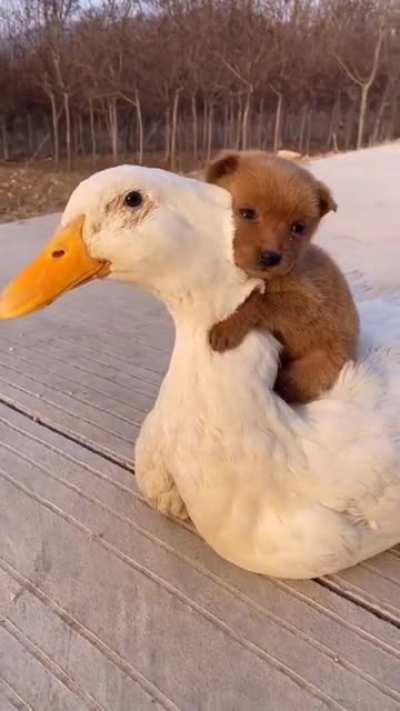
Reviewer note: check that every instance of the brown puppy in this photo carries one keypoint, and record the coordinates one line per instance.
(307, 303)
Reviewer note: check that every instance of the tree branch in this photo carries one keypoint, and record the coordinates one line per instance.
(348, 71)
(236, 73)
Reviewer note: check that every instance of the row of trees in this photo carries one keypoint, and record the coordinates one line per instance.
(177, 79)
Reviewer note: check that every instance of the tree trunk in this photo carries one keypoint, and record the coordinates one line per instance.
(225, 133)
(380, 113)
(278, 121)
(81, 136)
(332, 135)
(75, 132)
(231, 139)
(92, 131)
(245, 120)
(260, 124)
(366, 84)
(210, 130)
(194, 127)
(349, 128)
(302, 128)
(238, 123)
(140, 127)
(309, 133)
(133, 140)
(391, 127)
(174, 129)
(204, 127)
(54, 118)
(113, 127)
(4, 137)
(67, 130)
(47, 137)
(362, 115)
(115, 131)
(167, 134)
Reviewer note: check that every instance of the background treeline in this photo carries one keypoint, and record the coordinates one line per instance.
(177, 79)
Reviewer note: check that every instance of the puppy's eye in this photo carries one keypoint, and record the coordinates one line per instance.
(298, 229)
(247, 213)
(133, 199)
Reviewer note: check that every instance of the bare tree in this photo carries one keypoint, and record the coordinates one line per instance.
(353, 59)
(173, 80)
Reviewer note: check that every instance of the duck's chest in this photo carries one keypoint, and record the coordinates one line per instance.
(231, 472)
(209, 428)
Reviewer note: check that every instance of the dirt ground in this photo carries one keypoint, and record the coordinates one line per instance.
(37, 188)
(29, 189)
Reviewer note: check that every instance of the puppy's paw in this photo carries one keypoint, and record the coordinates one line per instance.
(223, 338)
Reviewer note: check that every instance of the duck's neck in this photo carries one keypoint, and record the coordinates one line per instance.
(228, 437)
(197, 304)
(240, 380)
(230, 392)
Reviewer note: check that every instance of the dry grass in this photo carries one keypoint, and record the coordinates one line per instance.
(37, 188)
(28, 191)
(31, 189)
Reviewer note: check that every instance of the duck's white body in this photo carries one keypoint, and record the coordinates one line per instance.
(285, 493)
(290, 493)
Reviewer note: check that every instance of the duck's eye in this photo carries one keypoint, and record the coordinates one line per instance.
(133, 199)
(298, 229)
(247, 213)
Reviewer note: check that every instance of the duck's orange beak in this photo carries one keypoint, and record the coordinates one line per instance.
(64, 264)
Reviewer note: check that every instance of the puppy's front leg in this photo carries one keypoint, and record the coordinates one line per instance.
(230, 333)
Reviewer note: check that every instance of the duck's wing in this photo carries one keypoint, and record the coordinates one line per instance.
(355, 456)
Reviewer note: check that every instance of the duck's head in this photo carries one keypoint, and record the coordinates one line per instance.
(170, 234)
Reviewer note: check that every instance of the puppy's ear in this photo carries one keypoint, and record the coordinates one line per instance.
(325, 199)
(225, 163)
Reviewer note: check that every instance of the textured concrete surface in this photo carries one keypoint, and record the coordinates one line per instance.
(106, 605)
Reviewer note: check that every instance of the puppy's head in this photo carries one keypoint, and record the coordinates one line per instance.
(277, 206)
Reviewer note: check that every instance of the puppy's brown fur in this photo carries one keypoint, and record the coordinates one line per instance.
(307, 303)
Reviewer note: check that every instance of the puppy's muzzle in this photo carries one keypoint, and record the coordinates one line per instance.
(270, 259)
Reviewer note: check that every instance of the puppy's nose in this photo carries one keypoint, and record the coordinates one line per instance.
(270, 259)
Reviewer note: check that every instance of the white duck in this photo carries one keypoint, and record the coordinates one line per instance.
(291, 493)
